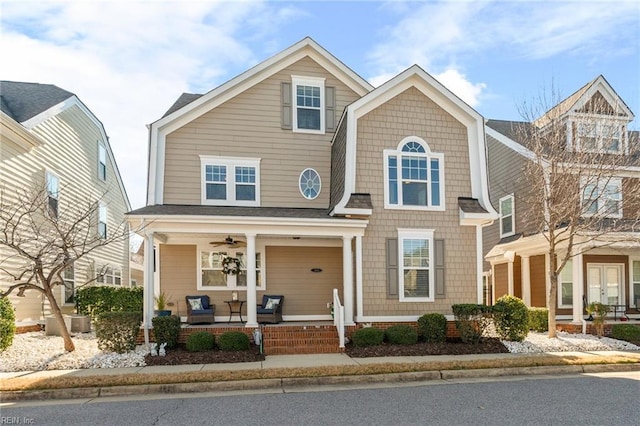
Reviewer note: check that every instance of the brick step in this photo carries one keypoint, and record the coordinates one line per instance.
(300, 340)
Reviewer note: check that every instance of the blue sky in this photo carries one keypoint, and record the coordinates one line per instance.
(129, 60)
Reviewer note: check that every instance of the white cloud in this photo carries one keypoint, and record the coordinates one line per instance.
(458, 83)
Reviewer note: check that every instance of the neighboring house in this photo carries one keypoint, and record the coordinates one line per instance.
(607, 268)
(49, 139)
(316, 180)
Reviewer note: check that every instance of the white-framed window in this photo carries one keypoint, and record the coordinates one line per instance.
(414, 176)
(308, 104)
(310, 184)
(635, 283)
(565, 286)
(507, 223)
(603, 197)
(109, 275)
(600, 136)
(102, 221)
(102, 161)
(230, 181)
(69, 287)
(211, 276)
(53, 193)
(416, 274)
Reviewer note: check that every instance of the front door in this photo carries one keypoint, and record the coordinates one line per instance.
(604, 283)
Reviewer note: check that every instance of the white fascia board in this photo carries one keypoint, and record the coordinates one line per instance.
(161, 128)
(511, 144)
(17, 133)
(477, 219)
(434, 90)
(75, 101)
(602, 85)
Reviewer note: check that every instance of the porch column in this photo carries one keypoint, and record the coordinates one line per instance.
(252, 318)
(347, 279)
(510, 256)
(149, 284)
(578, 289)
(526, 280)
(359, 290)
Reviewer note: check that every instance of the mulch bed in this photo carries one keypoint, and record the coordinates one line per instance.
(181, 355)
(451, 347)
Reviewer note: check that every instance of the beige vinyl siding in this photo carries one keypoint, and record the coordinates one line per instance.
(178, 275)
(413, 114)
(630, 198)
(249, 125)
(70, 151)
(289, 273)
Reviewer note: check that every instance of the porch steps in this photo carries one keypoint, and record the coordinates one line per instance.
(299, 339)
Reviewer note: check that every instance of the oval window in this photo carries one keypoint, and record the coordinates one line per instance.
(310, 184)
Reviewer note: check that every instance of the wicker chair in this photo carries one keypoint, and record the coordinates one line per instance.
(204, 312)
(270, 311)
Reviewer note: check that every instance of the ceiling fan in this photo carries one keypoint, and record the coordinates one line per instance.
(229, 242)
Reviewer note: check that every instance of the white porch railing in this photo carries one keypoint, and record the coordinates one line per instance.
(338, 316)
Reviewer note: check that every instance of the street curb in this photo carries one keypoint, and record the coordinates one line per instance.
(282, 383)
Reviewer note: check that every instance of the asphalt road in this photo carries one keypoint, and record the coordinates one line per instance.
(596, 399)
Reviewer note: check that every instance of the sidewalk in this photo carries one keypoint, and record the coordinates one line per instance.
(435, 367)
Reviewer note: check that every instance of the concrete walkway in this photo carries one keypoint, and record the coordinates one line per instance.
(581, 362)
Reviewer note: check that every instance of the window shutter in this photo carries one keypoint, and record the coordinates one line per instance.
(287, 112)
(330, 109)
(439, 268)
(392, 267)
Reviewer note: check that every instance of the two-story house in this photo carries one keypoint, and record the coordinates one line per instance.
(50, 140)
(317, 181)
(604, 263)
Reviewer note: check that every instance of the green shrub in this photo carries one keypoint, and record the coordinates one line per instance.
(627, 332)
(433, 327)
(539, 319)
(7, 323)
(369, 336)
(471, 321)
(401, 335)
(233, 341)
(166, 330)
(117, 331)
(200, 341)
(95, 300)
(511, 317)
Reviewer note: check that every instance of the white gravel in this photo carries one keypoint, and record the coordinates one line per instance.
(35, 351)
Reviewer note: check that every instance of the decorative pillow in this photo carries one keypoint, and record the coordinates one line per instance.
(272, 303)
(196, 304)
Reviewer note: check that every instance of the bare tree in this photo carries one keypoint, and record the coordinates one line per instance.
(580, 194)
(39, 240)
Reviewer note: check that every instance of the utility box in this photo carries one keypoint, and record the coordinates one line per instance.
(74, 323)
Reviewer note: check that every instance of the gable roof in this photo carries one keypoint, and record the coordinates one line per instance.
(23, 101)
(190, 106)
(581, 97)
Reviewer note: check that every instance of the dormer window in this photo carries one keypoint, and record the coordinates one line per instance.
(599, 137)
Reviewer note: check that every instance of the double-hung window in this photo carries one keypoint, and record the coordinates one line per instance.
(211, 270)
(602, 198)
(414, 176)
(416, 275)
(102, 162)
(102, 221)
(565, 293)
(110, 275)
(53, 193)
(308, 104)
(507, 227)
(230, 181)
(599, 136)
(69, 287)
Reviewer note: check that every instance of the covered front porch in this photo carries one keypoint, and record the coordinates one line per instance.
(301, 254)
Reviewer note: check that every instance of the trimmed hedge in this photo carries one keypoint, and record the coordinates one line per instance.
(369, 336)
(95, 300)
(200, 341)
(511, 318)
(539, 319)
(166, 330)
(233, 341)
(117, 331)
(626, 332)
(401, 335)
(471, 321)
(7, 323)
(432, 327)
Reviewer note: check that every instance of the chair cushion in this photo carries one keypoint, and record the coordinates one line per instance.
(196, 304)
(202, 312)
(272, 303)
(264, 311)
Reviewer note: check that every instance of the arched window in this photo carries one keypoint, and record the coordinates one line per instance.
(414, 176)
